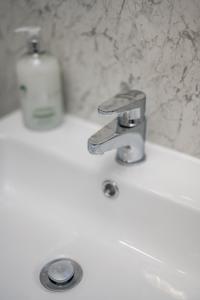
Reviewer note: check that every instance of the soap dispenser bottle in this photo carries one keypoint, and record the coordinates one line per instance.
(39, 82)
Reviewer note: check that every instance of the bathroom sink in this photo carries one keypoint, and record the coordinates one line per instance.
(143, 244)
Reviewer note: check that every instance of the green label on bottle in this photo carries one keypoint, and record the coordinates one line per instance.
(44, 113)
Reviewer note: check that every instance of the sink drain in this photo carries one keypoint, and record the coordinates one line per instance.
(61, 274)
(110, 189)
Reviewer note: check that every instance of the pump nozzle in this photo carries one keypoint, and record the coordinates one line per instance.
(33, 37)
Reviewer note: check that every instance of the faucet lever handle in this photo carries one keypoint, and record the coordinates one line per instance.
(129, 106)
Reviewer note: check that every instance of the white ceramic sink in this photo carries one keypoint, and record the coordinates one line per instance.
(145, 244)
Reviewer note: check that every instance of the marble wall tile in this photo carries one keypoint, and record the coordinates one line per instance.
(105, 46)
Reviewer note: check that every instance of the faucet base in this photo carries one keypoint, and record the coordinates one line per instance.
(129, 164)
(129, 155)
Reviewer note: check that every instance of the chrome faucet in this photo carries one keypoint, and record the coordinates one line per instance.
(127, 132)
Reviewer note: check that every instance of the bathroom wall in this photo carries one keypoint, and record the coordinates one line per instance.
(105, 46)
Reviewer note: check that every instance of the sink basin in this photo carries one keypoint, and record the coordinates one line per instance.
(144, 244)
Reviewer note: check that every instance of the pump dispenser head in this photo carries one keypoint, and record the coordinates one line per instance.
(33, 40)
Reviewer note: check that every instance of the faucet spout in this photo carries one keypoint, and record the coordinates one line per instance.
(102, 140)
(113, 136)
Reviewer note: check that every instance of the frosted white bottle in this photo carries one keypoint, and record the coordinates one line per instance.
(40, 88)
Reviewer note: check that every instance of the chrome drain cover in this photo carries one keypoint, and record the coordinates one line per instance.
(61, 274)
(61, 271)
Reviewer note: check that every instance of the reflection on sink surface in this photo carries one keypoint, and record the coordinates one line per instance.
(144, 244)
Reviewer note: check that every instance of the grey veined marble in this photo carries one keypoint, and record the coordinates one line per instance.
(105, 46)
